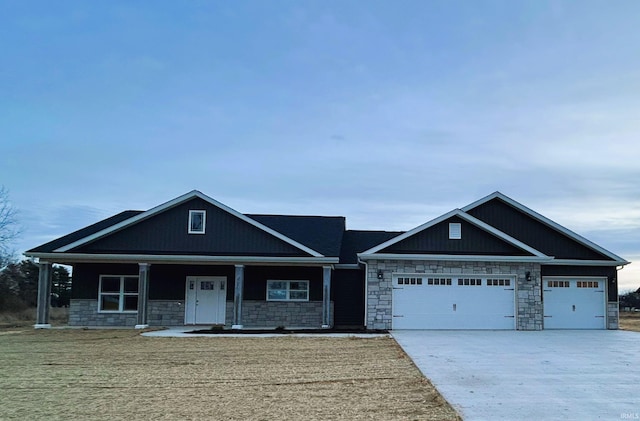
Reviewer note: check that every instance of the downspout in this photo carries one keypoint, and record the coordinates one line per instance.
(366, 290)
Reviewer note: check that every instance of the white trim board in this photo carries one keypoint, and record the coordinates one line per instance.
(453, 257)
(175, 202)
(196, 259)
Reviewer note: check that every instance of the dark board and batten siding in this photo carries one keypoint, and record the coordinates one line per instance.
(475, 241)
(347, 294)
(166, 233)
(167, 282)
(540, 236)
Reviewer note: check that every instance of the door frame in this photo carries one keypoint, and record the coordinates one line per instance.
(190, 306)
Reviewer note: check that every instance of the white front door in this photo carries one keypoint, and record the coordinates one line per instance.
(206, 298)
(574, 303)
(430, 301)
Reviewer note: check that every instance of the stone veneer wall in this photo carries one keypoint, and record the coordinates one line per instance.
(379, 291)
(85, 313)
(281, 313)
(165, 313)
(613, 309)
(171, 313)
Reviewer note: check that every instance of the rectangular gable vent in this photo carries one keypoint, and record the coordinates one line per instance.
(455, 231)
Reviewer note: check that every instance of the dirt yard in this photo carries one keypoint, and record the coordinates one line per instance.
(630, 321)
(118, 374)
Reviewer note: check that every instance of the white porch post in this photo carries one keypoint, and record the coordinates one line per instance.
(44, 296)
(326, 297)
(143, 295)
(237, 297)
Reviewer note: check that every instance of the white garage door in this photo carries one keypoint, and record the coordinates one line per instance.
(453, 302)
(574, 303)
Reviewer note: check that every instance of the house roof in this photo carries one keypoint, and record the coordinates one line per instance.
(84, 232)
(354, 242)
(321, 233)
(322, 237)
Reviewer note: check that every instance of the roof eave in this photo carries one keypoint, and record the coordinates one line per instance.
(454, 257)
(64, 258)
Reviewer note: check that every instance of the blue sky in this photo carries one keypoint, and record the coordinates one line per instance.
(389, 113)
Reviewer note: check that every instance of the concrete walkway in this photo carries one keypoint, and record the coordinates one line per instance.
(547, 375)
(182, 332)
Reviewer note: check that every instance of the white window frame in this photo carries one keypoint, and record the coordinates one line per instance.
(455, 231)
(121, 294)
(287, 290)
(204, 221)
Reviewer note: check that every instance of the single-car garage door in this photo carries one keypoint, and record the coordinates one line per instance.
(574, 303)
(453, 302)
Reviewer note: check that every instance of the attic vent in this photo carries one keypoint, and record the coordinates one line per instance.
(455, 231)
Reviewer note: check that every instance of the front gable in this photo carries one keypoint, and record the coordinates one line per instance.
(474, 241)
(167, 232)
(535, 230)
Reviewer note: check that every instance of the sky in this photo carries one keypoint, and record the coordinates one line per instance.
(390, 113)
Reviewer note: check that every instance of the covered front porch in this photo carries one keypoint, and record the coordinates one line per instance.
(231, 295)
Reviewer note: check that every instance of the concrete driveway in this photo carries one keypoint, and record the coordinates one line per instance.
(548, 375)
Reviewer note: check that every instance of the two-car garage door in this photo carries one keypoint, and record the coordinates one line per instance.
(453, 302)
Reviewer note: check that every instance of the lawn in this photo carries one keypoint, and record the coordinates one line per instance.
(630, 321)
(118, 374)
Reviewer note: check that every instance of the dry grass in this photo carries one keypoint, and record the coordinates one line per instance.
(118, 374)
(58, 316)
(630, 321)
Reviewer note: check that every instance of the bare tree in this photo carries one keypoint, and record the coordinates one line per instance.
(9, 229)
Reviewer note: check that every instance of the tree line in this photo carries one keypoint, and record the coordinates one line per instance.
(19, 286)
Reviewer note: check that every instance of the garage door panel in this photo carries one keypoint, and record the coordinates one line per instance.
(453, 303)
(574, 304)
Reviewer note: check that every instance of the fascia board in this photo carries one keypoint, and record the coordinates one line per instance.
(195, 259)
(456, 257)
(546, 221)
(577, 262)
(172, 203)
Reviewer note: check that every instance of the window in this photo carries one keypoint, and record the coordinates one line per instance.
(197, 221)
(118, 293)
(587, 284)
(499, 282)
(287, 290)
(409, 281)
(439, 281)
(455, 231)
(558, 284)
(470, 281)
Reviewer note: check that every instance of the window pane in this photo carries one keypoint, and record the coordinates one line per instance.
(298, 285)
(131, 284)
(110, 302)
(130, 303)
(110, 284)
(277, 285)
(277, 294)
(197, 221)
(298, 295)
